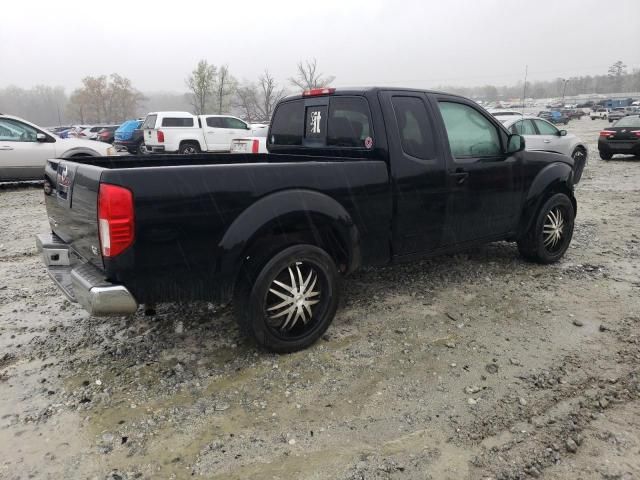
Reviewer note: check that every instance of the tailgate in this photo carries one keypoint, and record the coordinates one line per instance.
(72, 206)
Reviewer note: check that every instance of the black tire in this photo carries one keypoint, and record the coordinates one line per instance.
(142, 149)
(536, 245)
(189, 148)
(606, 156)
(579, 156)
(254, 296)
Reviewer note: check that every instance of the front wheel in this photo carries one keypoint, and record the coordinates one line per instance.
(286, 304)
(579, 156)
(550, 234)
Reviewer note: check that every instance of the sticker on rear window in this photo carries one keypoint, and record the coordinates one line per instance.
(368, 142)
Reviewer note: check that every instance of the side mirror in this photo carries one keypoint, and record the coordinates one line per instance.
(41, 137)
(516, 144)
(562, 133)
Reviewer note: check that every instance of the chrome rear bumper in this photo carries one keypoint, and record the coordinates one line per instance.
(82, 282)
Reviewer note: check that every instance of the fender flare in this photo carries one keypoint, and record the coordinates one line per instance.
(80, 151)
(191, 140)
(556, 177)
(284, 208)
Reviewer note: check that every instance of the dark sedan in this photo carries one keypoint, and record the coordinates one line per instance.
(622, 137)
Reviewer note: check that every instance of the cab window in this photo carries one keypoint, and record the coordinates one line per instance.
(229, 122)
(288, 124)
(414, 127)
(470, 133)
(348, 124)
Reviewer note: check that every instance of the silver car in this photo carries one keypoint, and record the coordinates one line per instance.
(542, 135)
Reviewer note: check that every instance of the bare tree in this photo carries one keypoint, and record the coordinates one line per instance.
(247, 101)
(308, 76)
(224, 88)
(270, 94)
(202, 85)
(123, 99)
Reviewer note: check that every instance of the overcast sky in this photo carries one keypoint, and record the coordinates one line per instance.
(362, 42)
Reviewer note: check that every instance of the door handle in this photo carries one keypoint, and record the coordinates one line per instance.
(6, 147)
(460, 176)
(547, 141)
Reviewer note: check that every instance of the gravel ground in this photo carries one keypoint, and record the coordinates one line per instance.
(472, 366)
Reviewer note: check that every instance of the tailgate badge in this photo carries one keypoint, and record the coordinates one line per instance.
(94, 249)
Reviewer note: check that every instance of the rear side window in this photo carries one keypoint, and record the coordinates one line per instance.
(414, 127)
(349, 124)
(214, 122)
(177, 122)
(150, 121)
(288, 124)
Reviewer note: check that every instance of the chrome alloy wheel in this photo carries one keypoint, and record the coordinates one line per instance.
(291, 300)
(553, 229)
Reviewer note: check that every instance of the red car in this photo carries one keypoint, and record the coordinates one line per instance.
(107, 134)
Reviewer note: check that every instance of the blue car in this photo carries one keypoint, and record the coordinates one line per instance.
(129, 137)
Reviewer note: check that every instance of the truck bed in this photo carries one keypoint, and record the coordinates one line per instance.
(192, 211)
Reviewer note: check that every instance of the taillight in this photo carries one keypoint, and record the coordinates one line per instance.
(115, 219)
(255, 146)
(636, 133)
(607, 133)
(160, 136)
(318, 91)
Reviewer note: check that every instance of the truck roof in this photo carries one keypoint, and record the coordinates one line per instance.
(363, 90)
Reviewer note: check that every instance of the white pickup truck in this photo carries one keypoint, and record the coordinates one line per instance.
(182, 132)
(601, 113)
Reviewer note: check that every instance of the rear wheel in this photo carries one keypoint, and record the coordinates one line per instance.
(605, 156)
(286, 304)
(550, 234)
(189, 148)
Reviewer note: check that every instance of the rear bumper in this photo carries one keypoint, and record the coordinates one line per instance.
(631, 147)
(82, 282)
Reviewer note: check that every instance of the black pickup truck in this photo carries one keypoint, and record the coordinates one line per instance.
(353, 177)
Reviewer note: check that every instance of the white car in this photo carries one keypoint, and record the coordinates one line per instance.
(25, 148)
(182, 132)
(504, 112)
(255, 144)
(542, 135)
(90, 133)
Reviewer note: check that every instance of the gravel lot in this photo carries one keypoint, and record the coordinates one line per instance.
(472, 366)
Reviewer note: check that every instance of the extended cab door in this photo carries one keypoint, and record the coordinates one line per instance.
(485, 184)
(418, 172)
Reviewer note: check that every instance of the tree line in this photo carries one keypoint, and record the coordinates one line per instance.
(214, 89)
(616, 80)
